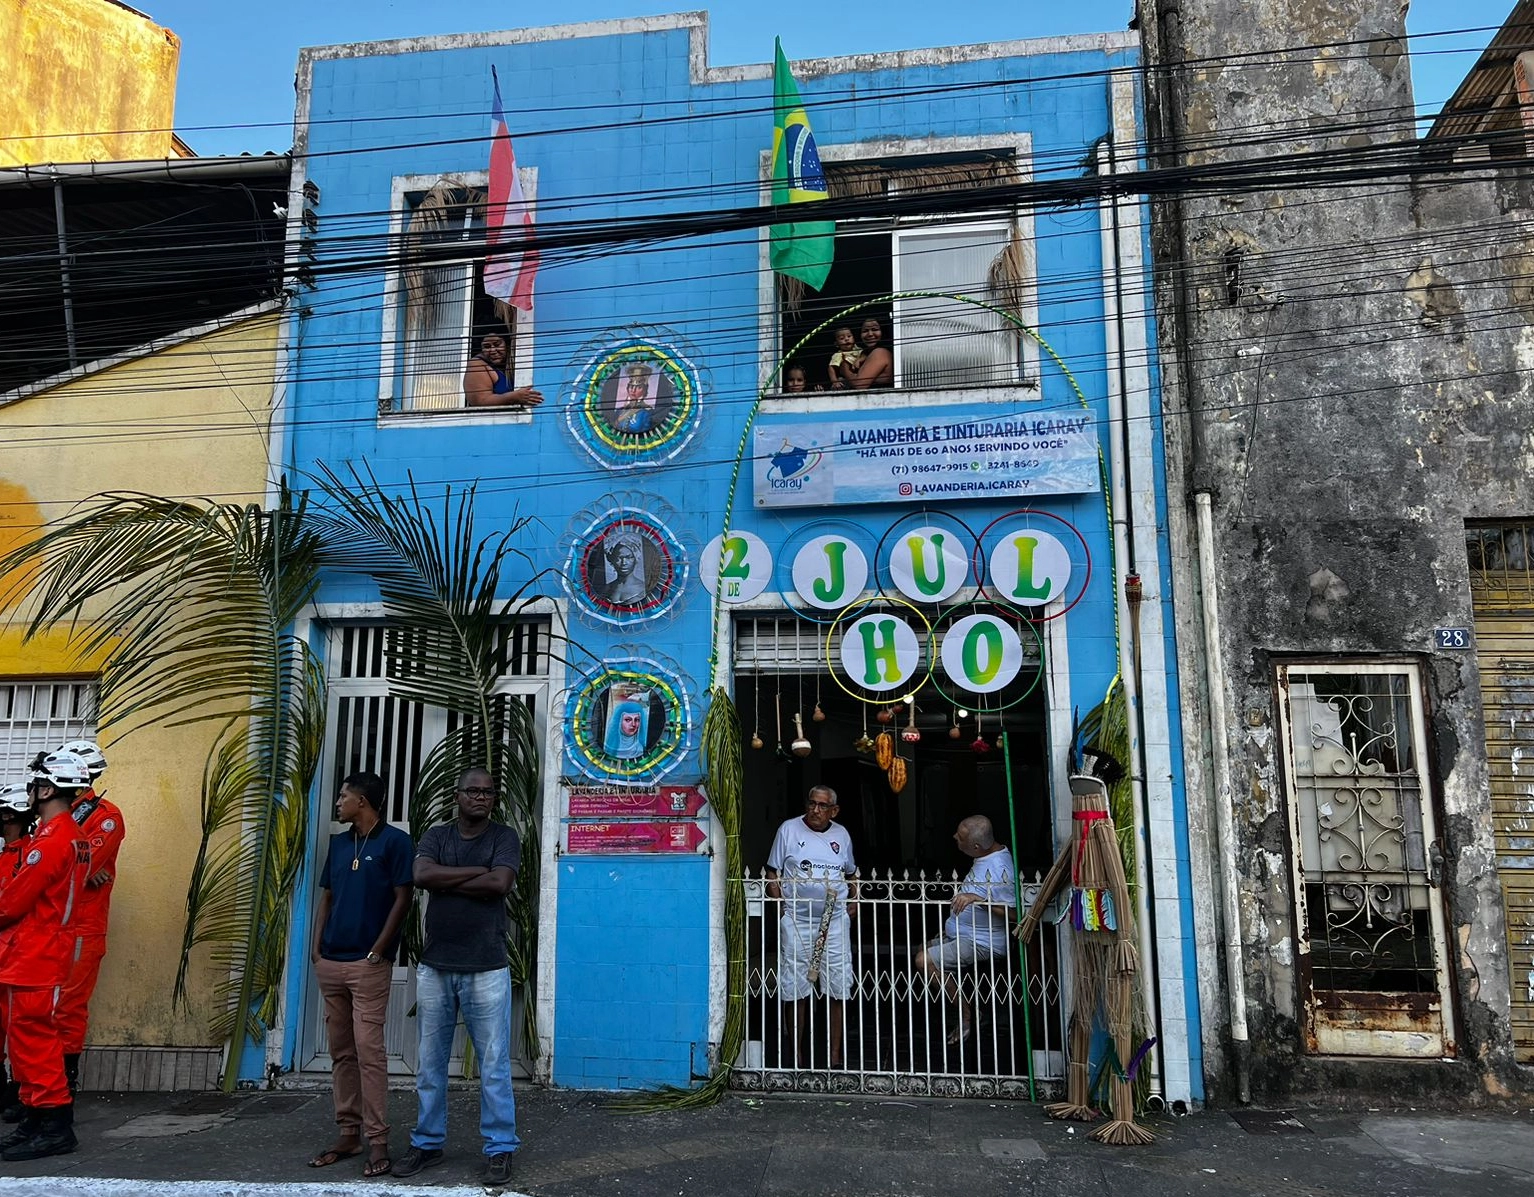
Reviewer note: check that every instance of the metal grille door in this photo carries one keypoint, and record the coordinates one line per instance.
(1502, 590)
(368, 728)
(1367, 861)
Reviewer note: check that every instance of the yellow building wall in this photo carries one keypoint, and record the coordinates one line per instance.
(93, 69)
(187, 421)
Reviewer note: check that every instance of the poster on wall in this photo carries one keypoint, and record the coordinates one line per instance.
(636, 398)
(903, 456)
(671, 836)
(583, 800)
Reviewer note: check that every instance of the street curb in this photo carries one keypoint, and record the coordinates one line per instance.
(92, 1186)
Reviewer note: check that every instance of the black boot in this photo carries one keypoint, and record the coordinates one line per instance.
(72, 1070)
(31, 1122)
(10, 1102)
(55, 1136)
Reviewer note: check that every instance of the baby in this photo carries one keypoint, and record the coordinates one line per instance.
(847, 351)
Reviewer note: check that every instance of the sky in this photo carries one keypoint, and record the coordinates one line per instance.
(237, 60)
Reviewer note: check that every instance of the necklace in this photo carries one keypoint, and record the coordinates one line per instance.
(357, 845)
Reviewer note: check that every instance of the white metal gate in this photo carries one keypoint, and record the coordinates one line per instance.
(367, 728)
(1367, 861)
(901, 1032)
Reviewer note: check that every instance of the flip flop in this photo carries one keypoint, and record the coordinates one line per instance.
(378, 1167)
(332, 1155)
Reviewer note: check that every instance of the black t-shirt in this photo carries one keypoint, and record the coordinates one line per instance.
(465, 934)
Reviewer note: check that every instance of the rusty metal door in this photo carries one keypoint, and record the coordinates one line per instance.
(1372, 951)
(1502, 591)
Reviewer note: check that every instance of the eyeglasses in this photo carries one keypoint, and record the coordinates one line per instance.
(820, 806)
(481, 792)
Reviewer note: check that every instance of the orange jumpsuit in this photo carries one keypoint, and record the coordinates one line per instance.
(38, 905)
(101, 824)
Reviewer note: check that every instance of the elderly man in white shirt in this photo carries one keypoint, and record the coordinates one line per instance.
(811, 868)
(976, 931)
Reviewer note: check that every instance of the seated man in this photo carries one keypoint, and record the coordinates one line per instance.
(975, 933)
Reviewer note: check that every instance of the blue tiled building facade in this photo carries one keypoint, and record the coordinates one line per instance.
(618, 122)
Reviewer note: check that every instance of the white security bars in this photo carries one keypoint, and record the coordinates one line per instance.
(900, 1030)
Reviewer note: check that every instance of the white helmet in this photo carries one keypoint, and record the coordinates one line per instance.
(14, 799)
(87, 751)
(62, 770)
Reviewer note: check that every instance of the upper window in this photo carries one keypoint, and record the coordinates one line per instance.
(936, 341)
(437, 310)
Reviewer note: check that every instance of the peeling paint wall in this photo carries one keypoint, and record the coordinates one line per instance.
(1359, 357)
(85, 81)
(212, 442)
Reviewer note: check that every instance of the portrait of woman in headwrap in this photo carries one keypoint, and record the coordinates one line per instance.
(628, 581)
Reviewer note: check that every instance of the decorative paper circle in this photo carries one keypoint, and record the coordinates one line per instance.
(981, 653)
(743, 560)
(831, 578)
(625, 566)
(926, 557)
(830, 571)
(629, 723)
(1035, 558)
(966, 654)
(886, 653)
(635, 402)
(1030, 567)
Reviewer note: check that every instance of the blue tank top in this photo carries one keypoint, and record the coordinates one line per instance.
(502, 384)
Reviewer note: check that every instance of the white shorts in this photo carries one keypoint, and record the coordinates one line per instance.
(960, 955)
(796, 944)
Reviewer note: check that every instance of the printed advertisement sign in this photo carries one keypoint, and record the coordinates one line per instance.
(669, 802)
(905, 456)
(680, 836)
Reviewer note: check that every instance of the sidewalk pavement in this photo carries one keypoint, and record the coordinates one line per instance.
(575, 1145)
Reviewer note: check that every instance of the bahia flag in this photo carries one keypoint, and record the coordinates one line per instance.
(801, 250)
(511, 259)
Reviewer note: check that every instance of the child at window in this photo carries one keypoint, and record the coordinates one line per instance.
(795, 381)
(847, 351)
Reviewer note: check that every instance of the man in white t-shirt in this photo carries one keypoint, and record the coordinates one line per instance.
(975, 934)
(812, 870)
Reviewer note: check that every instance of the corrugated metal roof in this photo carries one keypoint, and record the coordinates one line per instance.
(1484, 102)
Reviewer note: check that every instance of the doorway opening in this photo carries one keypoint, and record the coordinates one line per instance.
(898, 1020)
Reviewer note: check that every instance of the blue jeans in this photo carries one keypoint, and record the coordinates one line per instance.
(485, 1001)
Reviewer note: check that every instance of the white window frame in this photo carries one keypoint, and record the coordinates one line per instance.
(22, 739)
(1028, 387)
(392, 344)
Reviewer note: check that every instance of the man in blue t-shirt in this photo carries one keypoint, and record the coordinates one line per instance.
(364, 895)
(468, 867)
(975, 934)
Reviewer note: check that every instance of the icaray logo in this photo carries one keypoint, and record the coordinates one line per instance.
(791, 466)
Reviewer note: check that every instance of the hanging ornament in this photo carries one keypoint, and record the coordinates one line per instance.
(756, 714)
(979, 745)
(819, 716)
(953, 732)
(800, 746)
(863, 744)
(910, 733)
(885, 714)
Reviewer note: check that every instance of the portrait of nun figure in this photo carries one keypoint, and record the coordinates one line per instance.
(628, 725)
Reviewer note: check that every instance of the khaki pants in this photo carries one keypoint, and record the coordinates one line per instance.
(356, 997)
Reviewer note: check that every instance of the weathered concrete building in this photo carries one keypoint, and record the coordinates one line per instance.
(1349, 495)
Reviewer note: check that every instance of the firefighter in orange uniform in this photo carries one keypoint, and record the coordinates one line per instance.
(37, 905)
(101, 824)
(15, 831)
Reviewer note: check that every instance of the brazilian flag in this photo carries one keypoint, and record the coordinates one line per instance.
(803, 249)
